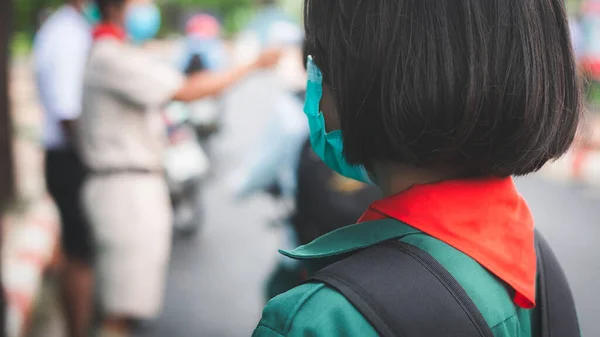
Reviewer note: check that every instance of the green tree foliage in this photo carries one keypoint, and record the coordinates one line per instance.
(28, 13)
(216, 5)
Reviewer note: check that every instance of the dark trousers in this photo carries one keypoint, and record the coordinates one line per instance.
(65, 175)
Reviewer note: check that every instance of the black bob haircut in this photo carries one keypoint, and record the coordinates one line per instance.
(489, 87)
(104, 5)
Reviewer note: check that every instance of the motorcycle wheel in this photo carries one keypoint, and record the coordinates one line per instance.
(188, 212)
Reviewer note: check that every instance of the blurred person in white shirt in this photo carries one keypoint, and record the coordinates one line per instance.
(123, 140)
(60, 51)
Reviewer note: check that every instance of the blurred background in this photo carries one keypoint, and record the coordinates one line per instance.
(226, 232)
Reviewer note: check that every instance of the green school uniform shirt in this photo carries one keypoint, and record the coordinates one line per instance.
(316, 310)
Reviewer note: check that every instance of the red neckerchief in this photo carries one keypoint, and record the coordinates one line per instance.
(487, 219)
(108, 30)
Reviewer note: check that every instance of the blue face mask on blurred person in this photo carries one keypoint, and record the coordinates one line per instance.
(91, 13)
(142, 22)
(329, 146)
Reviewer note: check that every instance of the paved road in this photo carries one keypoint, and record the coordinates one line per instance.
(215, 282)
(569, 217)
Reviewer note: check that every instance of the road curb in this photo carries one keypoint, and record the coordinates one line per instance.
(29, 241)
(30, 229)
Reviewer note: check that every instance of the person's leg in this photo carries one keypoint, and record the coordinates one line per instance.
(77, 287)
(132, 223)
(64, 177)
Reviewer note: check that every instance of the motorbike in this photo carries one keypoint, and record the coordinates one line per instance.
(191, 126)
(186, 167)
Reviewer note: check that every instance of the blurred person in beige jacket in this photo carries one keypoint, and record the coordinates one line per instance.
(122, 139)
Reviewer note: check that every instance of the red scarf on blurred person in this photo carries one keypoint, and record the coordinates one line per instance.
(105, 30)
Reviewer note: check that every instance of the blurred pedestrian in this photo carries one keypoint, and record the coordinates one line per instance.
(577, 35)
(123, 140)
(60, 51)
(284, 164)
(204, 50)
(439, 103)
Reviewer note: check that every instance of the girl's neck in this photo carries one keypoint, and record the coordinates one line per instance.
(397, 178)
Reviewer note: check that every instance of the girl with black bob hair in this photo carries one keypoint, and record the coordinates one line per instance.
(439, 103)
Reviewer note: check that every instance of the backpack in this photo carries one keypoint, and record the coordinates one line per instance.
(386, 284)
(326, 201)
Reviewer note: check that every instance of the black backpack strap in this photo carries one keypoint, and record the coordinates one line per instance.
(555, 302)
(404, 292)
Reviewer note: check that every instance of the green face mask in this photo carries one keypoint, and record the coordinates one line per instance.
(329, 146)
(92, 13)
